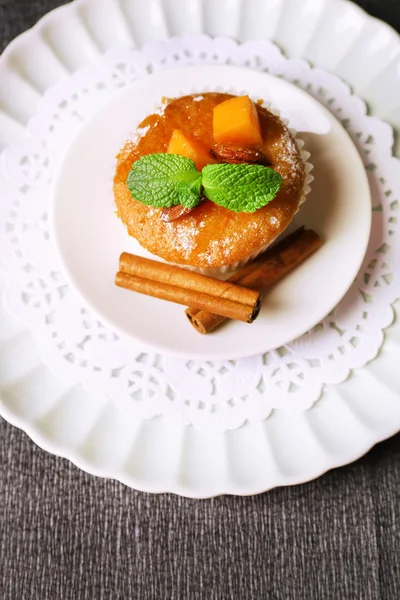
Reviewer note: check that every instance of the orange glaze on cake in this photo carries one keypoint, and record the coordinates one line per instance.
(210, 236)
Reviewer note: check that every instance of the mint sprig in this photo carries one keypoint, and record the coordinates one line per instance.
(165, 180)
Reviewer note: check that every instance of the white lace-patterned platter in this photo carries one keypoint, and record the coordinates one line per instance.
(211, 394)
(164, 454)
(339, 208)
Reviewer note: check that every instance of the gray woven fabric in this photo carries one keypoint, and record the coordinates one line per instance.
(67, 535)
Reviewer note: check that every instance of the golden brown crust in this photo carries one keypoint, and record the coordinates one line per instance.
(210, 236)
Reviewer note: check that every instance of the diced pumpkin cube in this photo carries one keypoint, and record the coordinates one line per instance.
(190, 147)
(236, 120)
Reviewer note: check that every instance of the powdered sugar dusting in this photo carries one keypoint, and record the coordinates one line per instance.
(184, 237)
(139, 133)
(274, 220)
(160, 108)
(220, 249)
(290, 164)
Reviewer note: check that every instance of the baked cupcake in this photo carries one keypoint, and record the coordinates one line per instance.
(210, 181)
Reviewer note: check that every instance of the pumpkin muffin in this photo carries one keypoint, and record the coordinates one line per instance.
(208, 129)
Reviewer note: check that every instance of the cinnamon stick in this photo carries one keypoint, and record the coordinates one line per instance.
(176, 284)
(182, 278)
(263, 272)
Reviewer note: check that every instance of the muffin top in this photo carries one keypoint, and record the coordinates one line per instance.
(210, 235)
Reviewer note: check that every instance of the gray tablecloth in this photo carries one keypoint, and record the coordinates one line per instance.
(67, 535)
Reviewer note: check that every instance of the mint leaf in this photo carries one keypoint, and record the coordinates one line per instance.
(165, 180)
(241, 188)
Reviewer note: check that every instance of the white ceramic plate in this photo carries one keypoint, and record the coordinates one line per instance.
(339, 208)
(159, 455)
